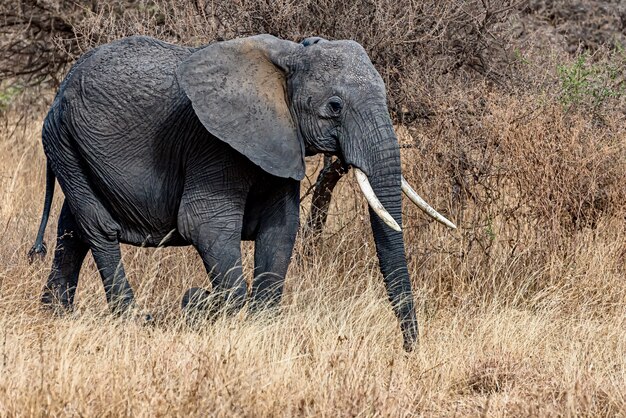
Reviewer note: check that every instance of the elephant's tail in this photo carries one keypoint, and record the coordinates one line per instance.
(39, 248)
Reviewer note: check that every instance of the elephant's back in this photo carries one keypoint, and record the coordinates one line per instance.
(125, 113)
(124, 87)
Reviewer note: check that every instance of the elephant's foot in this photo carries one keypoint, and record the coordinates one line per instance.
(260, 309)
(129, 311)
(56, 299)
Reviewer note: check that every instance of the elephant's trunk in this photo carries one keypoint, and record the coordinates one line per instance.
(377, 154)
(373, 201)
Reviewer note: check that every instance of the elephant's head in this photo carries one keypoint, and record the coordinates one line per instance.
(276, 101)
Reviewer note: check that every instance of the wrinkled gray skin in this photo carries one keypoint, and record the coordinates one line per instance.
(157, 144)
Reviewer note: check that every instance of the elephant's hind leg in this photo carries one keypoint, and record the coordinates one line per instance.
(108, 258)
(96, 225)
(69, 254)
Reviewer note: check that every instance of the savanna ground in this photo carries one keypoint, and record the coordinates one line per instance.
(514, 117)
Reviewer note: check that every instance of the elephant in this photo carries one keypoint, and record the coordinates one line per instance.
(155, 144)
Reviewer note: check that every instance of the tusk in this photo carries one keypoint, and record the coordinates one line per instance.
(373, 201)
(415, 198)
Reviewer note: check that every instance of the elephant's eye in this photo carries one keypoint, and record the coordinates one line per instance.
(335, 104)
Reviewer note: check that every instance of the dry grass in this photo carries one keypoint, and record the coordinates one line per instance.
(522, 310)
(540, 330)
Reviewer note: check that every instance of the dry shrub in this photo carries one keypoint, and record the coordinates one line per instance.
(583, 25)
(433, 37)
(528, 182)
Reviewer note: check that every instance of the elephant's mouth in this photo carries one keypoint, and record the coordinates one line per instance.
(310, 151)
(329, 144)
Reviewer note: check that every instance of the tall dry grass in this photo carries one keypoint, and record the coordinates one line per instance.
(522, 310)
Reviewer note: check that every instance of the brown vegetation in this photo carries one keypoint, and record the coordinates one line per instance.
(514, 117)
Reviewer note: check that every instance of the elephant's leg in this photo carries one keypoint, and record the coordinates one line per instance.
(108, 258)
(273, 245)
(210, 217)
(69, 254)
(221, 256)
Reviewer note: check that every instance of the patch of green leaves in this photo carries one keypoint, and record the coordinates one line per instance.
(8, 94)
(587, 84)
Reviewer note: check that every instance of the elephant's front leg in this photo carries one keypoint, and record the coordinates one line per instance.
(219, 246)
(210, 217)
(278, 227)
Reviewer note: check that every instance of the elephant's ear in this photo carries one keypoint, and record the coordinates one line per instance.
(238, 90)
